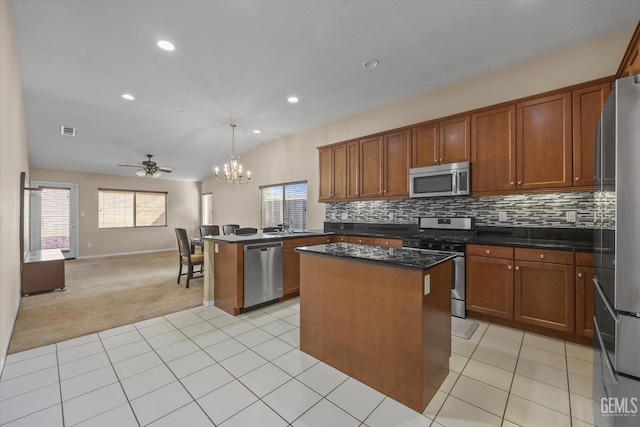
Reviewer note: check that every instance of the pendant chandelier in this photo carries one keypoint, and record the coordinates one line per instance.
(232, 169)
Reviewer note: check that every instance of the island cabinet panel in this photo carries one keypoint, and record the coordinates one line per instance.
(587, 107)
(584, 294)
(490, 285)
(397, 160)
(544, 143)
(333, 172)
(493, 149)
(228, 291)
(371, 167)
(374, 322)
(545, 295)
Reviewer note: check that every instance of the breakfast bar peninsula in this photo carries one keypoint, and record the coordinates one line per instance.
(380, 315)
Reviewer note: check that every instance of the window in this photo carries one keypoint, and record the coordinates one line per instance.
(120, 209)
(284, 201)
(207, 209)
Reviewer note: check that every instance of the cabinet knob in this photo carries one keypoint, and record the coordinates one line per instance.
(577, 178)
(440, 160)
(357, 193)
(541, 256)
(580, 275)
(513, 183)
(487, 251)
(517, 268)
(380, 192)
(509, 267)
(386, 243)
(519, 182)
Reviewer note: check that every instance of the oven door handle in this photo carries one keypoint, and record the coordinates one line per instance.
(605, 356)
(608, 306)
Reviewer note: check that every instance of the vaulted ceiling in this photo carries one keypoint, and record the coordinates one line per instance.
(237, 61)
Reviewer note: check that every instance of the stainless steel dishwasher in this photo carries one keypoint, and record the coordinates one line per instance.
(262, 273)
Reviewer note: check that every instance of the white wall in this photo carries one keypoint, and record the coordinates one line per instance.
(295, 158)
(13, 160)
(183, 211)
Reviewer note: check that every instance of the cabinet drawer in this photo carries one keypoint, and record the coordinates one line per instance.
(361, 240)
(490, 251)
(584, 259)
(340, 239)
(545, 255)
(319, 240)
(294, 243)
(389, 243)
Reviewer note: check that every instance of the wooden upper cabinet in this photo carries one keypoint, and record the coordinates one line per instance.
(446, 141)
(353, 169)
(371, 167)
(425, 145)
(493, 149)
(455, 140)
(544, 143)
(396, 156)
(333, 172)
(630, 64)
(587, 107)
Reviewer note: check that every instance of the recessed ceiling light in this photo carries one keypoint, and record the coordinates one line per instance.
(292, 99)
(370, 63)
(128, 96)
(165, 45)
(256, 131)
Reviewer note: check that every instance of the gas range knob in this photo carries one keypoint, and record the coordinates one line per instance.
(430, 246)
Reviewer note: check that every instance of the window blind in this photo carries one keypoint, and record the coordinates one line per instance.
(284, 201)
(121, 209)
(54, 222)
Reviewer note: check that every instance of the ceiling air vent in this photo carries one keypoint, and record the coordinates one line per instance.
(67, 131)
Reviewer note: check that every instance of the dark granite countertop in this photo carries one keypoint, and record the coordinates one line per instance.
(261, 237)
(393, 257)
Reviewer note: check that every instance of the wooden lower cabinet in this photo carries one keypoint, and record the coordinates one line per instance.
(490, 286)
(545, 295)
(291, 266)
(584, 294)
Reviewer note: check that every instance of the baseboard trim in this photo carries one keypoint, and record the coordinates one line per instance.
(207, 303)
(126, 253)
(5, 345)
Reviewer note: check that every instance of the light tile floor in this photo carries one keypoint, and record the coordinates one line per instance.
(203, 367)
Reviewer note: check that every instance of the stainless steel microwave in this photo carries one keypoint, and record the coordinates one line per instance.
(453, 179)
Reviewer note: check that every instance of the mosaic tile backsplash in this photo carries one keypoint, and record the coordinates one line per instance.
(530, 210)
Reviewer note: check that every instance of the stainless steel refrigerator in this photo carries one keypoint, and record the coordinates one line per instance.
(617, 258)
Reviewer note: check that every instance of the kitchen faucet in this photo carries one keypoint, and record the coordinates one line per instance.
(286, 224)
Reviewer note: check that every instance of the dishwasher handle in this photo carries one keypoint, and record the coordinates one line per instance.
(264, 247)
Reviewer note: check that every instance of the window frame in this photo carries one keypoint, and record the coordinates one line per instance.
(135, 216)
(284, 198)
(202, 209)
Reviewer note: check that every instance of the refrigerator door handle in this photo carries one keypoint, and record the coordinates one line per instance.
(610, 309)
(605, 356)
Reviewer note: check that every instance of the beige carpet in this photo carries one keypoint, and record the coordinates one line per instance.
(103, 293)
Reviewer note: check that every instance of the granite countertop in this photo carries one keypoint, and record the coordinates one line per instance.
(393, 257)
(264, 237)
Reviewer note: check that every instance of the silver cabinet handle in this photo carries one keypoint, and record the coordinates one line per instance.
(488, 251)
(519, 182)
(541, 256)
(509, 267)
(577, 178)
(580, 275)
(517, 268)
(513, 183)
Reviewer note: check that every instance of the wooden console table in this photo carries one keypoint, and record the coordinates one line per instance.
(43, 270)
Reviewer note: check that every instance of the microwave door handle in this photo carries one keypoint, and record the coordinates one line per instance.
(454, 182)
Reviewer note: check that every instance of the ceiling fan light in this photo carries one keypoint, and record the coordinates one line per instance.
(141, 172)
(156, 174)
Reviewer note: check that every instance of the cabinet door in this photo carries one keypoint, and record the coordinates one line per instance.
(339, 154)
(371, 165)
(353, 170)
(290, 271)
(490, 286)
(584, 301)
(361, 240)
(425, 141)
(455, 140)
(493, 149)
(545, 295)
(396, 164)
(544, 143)
(587, 107)
(326, 174)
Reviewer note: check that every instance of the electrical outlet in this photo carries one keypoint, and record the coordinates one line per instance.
(390, 216)
(571, 216)
(427, 284)
(345, 216)
(502, 216)
(89, 245)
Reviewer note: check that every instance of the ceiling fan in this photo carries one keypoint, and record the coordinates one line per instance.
(149, 168)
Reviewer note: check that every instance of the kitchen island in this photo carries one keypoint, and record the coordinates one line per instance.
(380, 315)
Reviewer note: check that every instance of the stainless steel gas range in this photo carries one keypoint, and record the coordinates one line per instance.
(447, 234)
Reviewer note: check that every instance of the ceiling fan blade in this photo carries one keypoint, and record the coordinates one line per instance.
(167, 169)
(131, 166)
